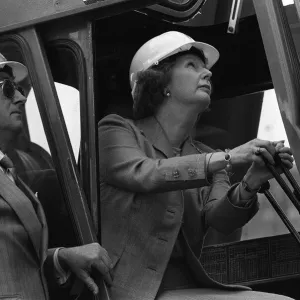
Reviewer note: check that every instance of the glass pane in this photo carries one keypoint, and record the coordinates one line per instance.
(287, 2)
(69, 101)
(266, 222)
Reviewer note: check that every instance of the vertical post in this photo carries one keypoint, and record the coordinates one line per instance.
(284, 66)
(59, 142)
(297, 4)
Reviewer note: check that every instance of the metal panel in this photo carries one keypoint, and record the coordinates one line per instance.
(19, 13)
(284, 66)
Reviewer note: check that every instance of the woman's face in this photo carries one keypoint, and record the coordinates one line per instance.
(190, 81)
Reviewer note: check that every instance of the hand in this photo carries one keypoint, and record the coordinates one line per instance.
(247, 153)
(259, 173)
(82, 260)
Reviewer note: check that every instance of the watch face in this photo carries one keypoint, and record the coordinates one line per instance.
(246, 187)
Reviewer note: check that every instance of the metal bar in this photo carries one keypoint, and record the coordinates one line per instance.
(16, 14)
(293, 182)
(58, 140)
(235, 13)
(283, 185)
(284, 66)
(282, 215)
(297, 4)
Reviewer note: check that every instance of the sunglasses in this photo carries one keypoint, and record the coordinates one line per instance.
(9, 88)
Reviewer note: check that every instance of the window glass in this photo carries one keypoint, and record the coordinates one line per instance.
(287, 2)
(266, 222)
(69, 101)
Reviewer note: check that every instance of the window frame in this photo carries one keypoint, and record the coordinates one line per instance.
(35, 59)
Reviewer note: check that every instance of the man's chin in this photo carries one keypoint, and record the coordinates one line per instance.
(17, 127)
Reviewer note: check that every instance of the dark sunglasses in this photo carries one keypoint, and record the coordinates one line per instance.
(9, 88)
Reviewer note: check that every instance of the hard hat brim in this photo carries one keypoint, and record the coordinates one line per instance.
(211, 53)
(20, 72)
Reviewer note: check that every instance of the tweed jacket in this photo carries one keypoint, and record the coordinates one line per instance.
(147, 195)
(23, 244)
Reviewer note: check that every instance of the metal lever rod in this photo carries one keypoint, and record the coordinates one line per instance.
(265, 189)
(292, 181)
(282, 183)
(235, 13)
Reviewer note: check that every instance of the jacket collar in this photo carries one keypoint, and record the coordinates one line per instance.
(151, 129)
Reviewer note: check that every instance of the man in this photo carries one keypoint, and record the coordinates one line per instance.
(23, 228)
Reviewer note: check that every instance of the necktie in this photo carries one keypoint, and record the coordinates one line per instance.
(8, 166)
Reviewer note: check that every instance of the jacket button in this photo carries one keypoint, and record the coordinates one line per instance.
(191, 172)
(176, 174)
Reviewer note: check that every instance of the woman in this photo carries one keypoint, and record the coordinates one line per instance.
(160, 190)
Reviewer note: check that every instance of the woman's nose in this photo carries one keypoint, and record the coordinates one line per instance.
(206, 74)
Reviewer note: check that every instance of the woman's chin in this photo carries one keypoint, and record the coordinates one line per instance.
(204, 102)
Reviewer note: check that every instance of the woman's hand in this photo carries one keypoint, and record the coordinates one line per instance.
(248, 153)
(258, 173)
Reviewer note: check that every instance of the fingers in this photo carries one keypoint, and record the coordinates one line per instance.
(264, 152)
(104, 270)
(88, 281)
(285, 150)
(106, 259)
(279, 146)
(286, 156)
(266, 145)
(287, 164)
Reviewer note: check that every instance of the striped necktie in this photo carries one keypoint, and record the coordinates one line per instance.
(8, 166)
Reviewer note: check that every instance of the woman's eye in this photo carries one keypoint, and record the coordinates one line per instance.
(191, 64)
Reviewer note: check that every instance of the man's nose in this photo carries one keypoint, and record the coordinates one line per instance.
(19, 98)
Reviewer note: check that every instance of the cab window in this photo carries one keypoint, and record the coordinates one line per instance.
(69, 102)
(267, 222)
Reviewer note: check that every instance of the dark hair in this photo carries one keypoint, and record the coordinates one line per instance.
(149, 91)
(8, 70)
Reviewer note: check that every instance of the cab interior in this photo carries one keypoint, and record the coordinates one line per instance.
(240, 79)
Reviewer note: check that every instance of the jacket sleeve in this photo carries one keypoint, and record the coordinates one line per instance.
(124, 164)
(219, 212)
(49, 270)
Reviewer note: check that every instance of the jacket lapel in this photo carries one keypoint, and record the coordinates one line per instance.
(23, 208)
(42, 218)
(190, 148)
(150, 128)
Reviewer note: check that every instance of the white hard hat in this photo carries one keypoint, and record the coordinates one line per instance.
(165, 45)
(19, 70)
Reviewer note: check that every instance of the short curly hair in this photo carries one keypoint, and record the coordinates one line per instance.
(149, 91)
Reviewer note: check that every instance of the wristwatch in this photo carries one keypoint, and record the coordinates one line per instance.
(247, 188)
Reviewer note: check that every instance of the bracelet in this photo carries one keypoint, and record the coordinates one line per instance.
(247, 188)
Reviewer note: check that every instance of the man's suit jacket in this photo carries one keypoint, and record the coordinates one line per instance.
(23, 244)
(147, 195)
